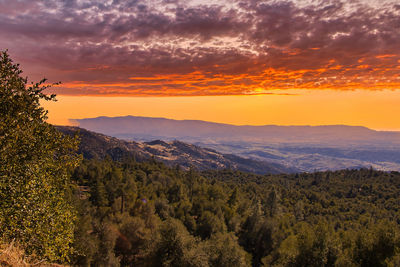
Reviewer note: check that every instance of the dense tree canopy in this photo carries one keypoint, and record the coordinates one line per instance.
(165, 216)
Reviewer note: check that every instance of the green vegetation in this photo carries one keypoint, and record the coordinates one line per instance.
(34, 163)
(129, 213)
(148, 214)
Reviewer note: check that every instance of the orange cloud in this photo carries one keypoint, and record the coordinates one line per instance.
(196, 49)
(199, 83)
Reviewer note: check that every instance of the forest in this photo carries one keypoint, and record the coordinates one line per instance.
(148, 214)
(67, 209)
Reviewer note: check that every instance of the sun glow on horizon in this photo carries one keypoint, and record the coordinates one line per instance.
(372, 109)
(290, 62)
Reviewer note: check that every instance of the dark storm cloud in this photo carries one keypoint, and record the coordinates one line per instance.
(96, 47)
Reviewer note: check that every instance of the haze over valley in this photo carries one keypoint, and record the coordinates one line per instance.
(299, 148)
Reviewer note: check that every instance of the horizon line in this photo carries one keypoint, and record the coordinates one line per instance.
(75, 121)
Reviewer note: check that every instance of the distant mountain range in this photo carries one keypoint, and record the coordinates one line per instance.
(95, 145)
(303, 148)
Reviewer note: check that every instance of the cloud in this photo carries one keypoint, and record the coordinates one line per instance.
(164, 48)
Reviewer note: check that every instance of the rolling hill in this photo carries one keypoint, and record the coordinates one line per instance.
(95, 145)
(304, 148)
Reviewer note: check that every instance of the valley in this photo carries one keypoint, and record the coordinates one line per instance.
(297, 148)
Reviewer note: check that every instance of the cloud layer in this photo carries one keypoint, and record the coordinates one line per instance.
(232, 47)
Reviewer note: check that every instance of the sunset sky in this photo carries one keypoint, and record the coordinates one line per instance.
(234, 61)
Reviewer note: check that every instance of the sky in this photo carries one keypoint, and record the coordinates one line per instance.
(235, 61)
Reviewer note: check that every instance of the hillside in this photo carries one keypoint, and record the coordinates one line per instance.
(147, 214)
(162, 128)
(304, 148)
(95, 145)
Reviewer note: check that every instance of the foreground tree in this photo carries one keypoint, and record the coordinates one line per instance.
(34, 164)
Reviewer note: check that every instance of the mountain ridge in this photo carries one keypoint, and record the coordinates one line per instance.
(97, 145)
(125, 125)
(304, 148)
(74, 121)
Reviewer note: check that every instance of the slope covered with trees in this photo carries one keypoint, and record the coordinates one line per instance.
(148, 214)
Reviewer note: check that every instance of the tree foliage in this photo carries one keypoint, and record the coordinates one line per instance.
(34, 163)
(230, 218)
